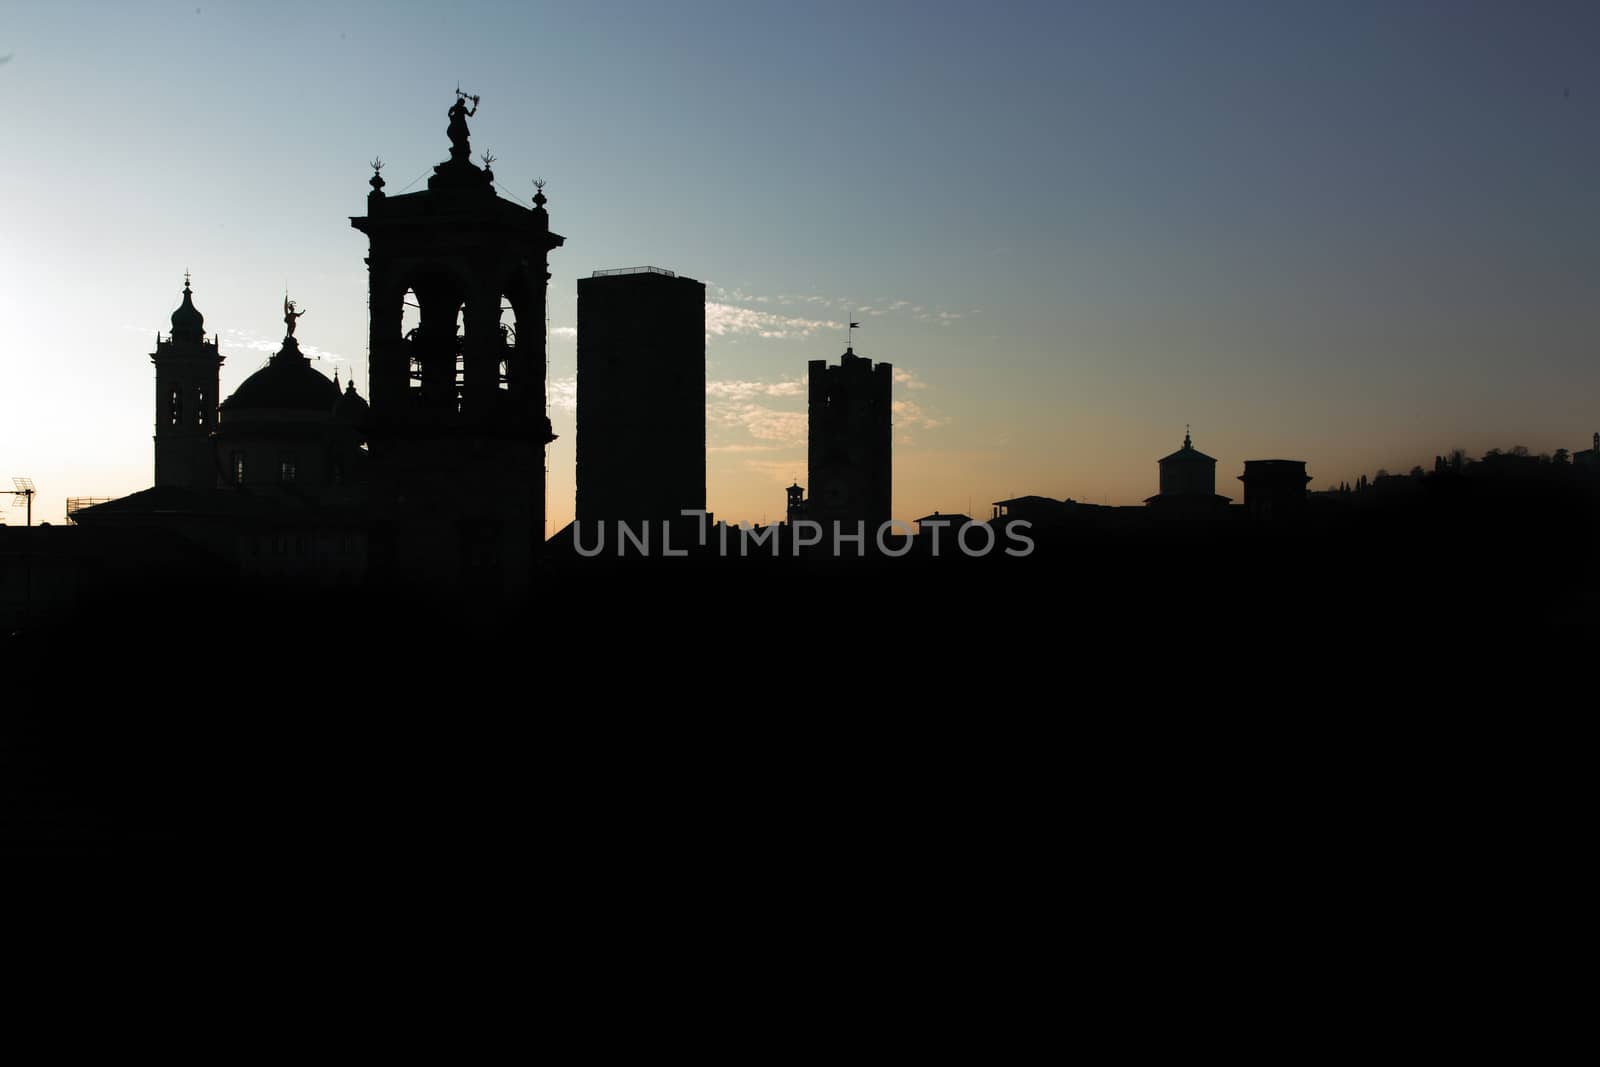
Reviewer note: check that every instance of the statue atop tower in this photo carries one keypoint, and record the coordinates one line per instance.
(290, 315)
(459, 113)
(458, 171)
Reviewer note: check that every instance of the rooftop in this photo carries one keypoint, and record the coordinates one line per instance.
(632, 270)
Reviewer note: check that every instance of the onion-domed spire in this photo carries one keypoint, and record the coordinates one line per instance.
(187, 322)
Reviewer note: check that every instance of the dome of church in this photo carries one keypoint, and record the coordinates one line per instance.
(288, 381)
(187, 322)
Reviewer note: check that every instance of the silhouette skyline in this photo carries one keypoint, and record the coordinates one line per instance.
(356, 636)
(1339, 236)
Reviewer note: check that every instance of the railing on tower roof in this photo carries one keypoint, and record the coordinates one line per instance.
(76, 504)
(632, 270)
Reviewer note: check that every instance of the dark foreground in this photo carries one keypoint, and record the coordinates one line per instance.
(213, 718)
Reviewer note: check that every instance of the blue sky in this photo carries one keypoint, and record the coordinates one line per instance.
(1355, 234)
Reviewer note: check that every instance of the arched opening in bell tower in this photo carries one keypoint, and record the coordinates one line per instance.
(522, 366)
(508, 343)
(410, 320)
(430, 312)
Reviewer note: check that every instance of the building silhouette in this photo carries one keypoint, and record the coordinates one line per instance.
(1589, 458)
(954, 521)
(289, 426)
(1275, 488)
(1188, 484)
(1039, 510)
(795, 502)
(187, 369)
(439, 483)
(271, 490)
(459, 426)
(849, 445)
(641, 449)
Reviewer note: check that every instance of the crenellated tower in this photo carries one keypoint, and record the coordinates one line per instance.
(849, 448)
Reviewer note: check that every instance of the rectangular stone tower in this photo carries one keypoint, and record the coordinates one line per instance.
(641, 448)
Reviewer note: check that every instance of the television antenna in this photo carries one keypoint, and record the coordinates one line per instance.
(23, 494)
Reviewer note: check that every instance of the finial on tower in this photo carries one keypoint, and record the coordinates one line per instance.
(377, 181)
(539, 199)
(1186, 442)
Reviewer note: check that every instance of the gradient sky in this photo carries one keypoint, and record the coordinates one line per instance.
(1354, 234)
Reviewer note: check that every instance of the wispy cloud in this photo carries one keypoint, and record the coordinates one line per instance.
(746, 390)
(742, 403)
(858, 308)
(910, 413)
(727, 320)
(254, 342)
(761, 422)
(563, 393)
(756, 407)
(563, 331)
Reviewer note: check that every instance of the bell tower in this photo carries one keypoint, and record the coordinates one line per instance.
(796, 508)
(187, 372)
(458, 425)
